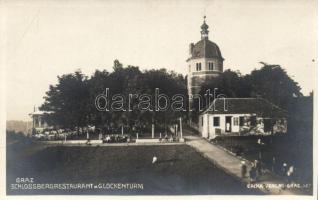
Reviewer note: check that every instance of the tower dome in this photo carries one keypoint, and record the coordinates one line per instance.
(206, 49)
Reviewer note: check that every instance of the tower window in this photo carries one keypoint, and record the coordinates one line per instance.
(210, 65)
(198, 66)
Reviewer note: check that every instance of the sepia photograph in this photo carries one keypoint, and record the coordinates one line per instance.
(162, 98)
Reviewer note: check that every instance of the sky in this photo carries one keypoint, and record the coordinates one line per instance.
(44, 39)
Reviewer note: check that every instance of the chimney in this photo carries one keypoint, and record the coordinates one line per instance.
(191, 49)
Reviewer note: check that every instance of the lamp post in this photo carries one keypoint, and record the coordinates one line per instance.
(180, 121)
(181, 134)
(176, 129)
(153, 129)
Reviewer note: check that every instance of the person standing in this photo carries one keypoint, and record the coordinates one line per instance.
(228, 126)
(284, 172)
(284, 169)
(258, 168)
(290, 174)
(171, 138)
(88, 142)
(166, 138)
(273, 164)
(243, 169)
(252, 173)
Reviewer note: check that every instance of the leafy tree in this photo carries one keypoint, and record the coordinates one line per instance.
(97, 84)
(270, 82)
(169, 84)
(68, 101)
(229, 83)
(273, 83)
(72, 100)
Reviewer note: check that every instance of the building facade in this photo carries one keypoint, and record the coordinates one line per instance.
(38, 121)
(242, 116)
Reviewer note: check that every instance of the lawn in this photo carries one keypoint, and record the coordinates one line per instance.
(180, 170)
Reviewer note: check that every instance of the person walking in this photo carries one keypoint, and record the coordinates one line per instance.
(154, 159)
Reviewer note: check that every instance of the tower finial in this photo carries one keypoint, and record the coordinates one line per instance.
(204, 29)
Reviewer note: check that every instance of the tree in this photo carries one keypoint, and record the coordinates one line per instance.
(68, 101)
(229, 83)
(72, 100)
(273, 83)
(168, 83)
(97, 84)
(270, 82)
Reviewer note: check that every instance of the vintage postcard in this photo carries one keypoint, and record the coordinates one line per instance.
(161, 98)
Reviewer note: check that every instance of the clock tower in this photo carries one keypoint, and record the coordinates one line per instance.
(205, 61)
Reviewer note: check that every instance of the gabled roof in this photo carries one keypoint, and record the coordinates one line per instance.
(258, 106)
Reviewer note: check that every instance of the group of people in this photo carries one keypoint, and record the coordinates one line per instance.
(167, 139)
(288, 172)
(116, 138)
(255, 171)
